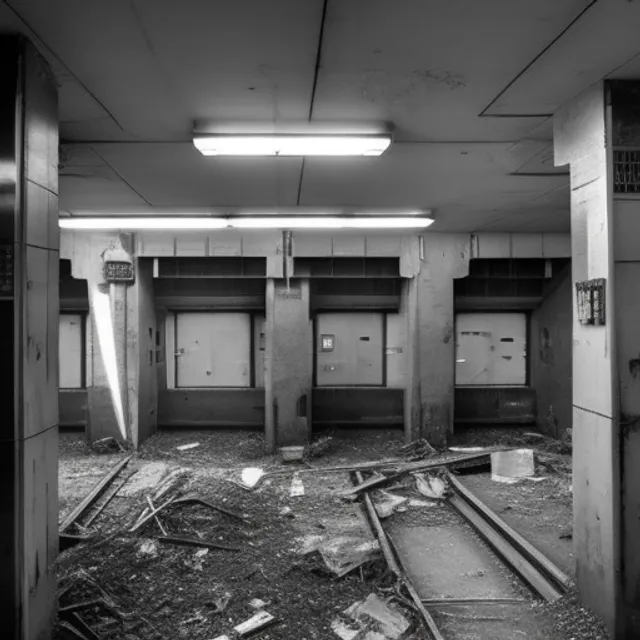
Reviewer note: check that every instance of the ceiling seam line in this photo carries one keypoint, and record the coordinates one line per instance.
(483, 113)
(57, 57)
(121, 177)
(314, 86)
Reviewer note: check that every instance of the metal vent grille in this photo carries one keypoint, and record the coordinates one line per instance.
(626, 170)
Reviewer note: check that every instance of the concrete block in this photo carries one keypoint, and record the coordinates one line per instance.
(494, 245)
(191, 245)
(40, 375)
(225, 243)
(526, 245)
(348, 246)
(383, 246)
(261, 243)
(156, 244)
(312, 245)
(556, 245)
(40, 217)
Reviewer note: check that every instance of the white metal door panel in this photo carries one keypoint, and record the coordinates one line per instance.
(491, 349)
(349, 349)
(213, 350)
(70, 351)
(395, 350)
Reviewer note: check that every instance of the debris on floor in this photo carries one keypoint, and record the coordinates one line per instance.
(251, 476)
(508, 466)
(186, 447)
(148, 478)
(431, 486)
(340, 555)
(261, 620)
(386, 504)
(370, 619)
(317, 448)
(417, 450)
(297, 488)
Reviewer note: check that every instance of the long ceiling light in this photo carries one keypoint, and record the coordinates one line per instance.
(262, 222)
(291, 144)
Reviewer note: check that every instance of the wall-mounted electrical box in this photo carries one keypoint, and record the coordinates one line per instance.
(590, 298)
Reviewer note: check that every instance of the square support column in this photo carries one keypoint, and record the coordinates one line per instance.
(29, 309)
(582, 139)
(288, 363)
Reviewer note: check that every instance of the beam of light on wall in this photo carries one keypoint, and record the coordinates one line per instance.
(101, 314)
(262, 222)
(292, 145)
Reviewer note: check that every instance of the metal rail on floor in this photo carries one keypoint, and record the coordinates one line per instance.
(544, 577)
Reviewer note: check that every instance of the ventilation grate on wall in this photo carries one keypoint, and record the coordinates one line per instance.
(626, 170)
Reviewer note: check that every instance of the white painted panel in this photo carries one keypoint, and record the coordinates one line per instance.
(158, 243)
(312, 245)
(213, 350)
(88, 347)
(384, 245)
(396, 345)
(191, 245)
(349, 349)
(259, 342)
(491, 349)
(71, 351)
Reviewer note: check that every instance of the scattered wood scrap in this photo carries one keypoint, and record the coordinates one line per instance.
(261, 620)
(195, 542)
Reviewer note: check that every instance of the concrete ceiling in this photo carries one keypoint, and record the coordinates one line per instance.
(468, 87)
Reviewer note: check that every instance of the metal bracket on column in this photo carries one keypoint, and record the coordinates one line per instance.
(287, 255)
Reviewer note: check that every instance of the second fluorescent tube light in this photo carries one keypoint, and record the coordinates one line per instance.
(262, 222)
(291, 144)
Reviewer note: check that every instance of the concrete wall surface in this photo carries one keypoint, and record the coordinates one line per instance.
(550, 356)
(580, 134)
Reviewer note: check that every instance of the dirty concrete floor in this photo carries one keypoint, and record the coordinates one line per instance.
(169, 592)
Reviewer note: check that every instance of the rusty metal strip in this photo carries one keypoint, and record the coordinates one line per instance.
(533, 555)
(92, 496)
(503, 547)
(394, 567)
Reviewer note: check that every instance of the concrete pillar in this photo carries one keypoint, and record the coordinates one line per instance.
(288, 363)
(583, 140)
(122, 397)
(431, 317)
(29, 308)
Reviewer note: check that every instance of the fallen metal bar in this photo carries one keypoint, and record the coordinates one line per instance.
(527, 571)
(455, 602)
(81, 605)
(155, 517)
(66, 541)
(76, 621)
(232, 514)
(92, 496)
(384, 466)
(194, 542)
(394, 567)
(108, 498)
(71, 629)
(533, 555)
(148, 517)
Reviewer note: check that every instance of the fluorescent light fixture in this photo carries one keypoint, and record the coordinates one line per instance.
(264, 222)
(291, 144)
(331, 223)
(134, 224)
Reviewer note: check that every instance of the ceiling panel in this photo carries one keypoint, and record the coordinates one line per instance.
(431, 68)
(157, 65)
(176, 174)
(582, 56)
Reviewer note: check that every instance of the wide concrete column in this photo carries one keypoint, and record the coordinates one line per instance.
(28, 340)
(429, 301)
(122, 395)
(288, 363)
(605, 484)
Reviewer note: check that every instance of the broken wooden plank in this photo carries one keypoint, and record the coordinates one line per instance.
(92, 496)
(215, 507)
(261, 620)
(155, 517)
(85, 604)
(148, 517)
(111, 494)
(195, 542)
